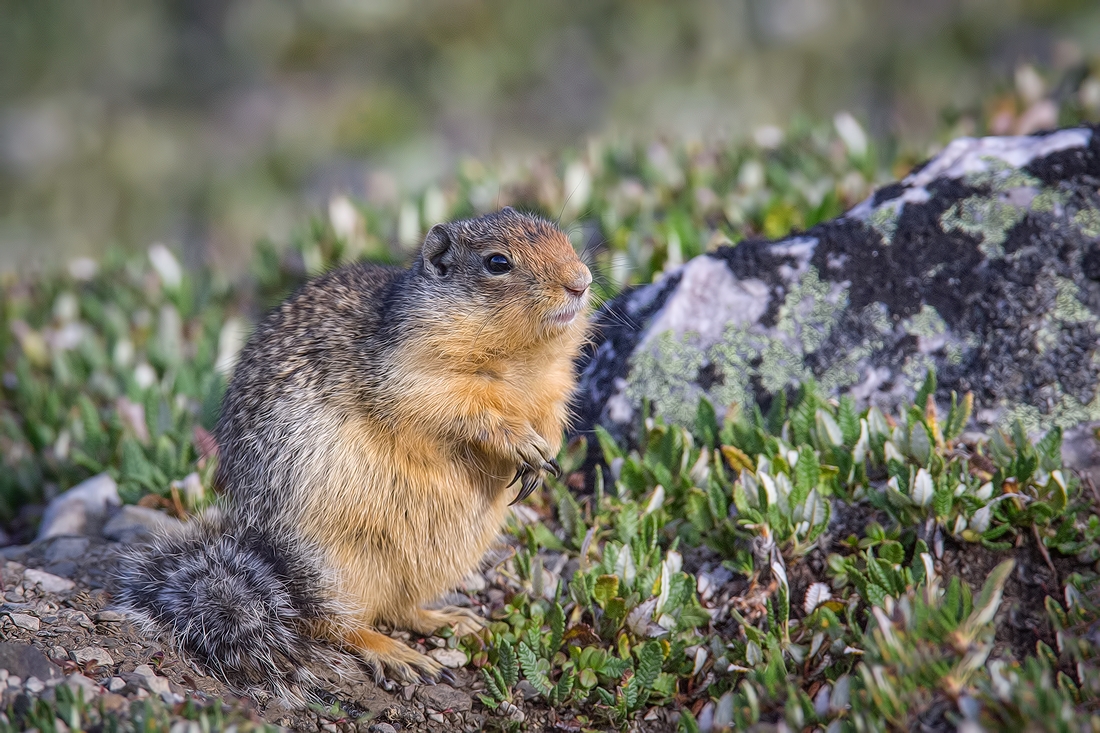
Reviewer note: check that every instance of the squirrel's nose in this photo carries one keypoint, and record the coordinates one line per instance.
(579, 285)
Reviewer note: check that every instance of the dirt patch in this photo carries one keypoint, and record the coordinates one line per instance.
(1022, 619)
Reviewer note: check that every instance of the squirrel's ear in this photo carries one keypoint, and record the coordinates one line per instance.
(437, 254)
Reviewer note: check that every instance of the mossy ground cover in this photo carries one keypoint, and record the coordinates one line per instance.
(818, 565)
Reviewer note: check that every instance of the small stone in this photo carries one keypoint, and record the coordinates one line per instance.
(4, 676)
(443, 697)
(382, 728)
(25, 621)
(15, 682)
(474, 583)
(453, 658)
(46, 581)
(526, 689)
(59, 653)
(171, 698)
(80, 682)
(82, 510)
(150, 680)
(437, 717)
(35, 685)
(331, 727)
(408, 691)
(116, 684)
(108, 617)
(81, 619)
(93, 653)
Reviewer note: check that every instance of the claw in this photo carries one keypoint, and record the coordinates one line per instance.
(531, 481)
(448, 676)
(427, 679)
(519, 472)
(552, 467)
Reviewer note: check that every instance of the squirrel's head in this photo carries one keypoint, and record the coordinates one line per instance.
(509, 274)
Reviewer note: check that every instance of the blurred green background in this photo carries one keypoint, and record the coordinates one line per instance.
(208, 124)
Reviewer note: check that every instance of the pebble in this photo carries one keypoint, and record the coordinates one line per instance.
(46, 581)
(112, 617)
(475, 583)
(437, 717)
(382, 728)
(80, 682)
(81, 619)
(526, 689)
(116, 684)
(25, 621)
(34, 685)
(14, 681)
(149, 678)
(453, 658)
(90, 653)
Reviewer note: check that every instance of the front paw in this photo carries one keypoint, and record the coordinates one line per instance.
(533, 459)
(533, 453)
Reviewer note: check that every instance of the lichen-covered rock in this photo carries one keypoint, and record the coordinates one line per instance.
(983, 265)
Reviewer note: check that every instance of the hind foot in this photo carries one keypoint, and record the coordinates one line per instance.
(399, 661)
(428, 622)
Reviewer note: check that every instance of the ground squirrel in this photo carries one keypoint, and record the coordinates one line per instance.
(376, 428)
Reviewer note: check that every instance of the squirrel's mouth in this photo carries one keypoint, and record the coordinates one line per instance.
(565, 317)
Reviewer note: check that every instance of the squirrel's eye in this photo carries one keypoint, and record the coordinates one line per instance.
(497, 264)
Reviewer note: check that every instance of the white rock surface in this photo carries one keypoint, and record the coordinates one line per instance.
(25, 621)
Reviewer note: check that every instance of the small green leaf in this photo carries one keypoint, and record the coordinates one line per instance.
(607, 587)
(610, 448)
(556, 621)
(848, 419)
(507, 664)
(928, 388)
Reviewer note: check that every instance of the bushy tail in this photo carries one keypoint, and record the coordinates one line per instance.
(238, 599)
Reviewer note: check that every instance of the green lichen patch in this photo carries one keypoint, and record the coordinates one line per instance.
(989, 218)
